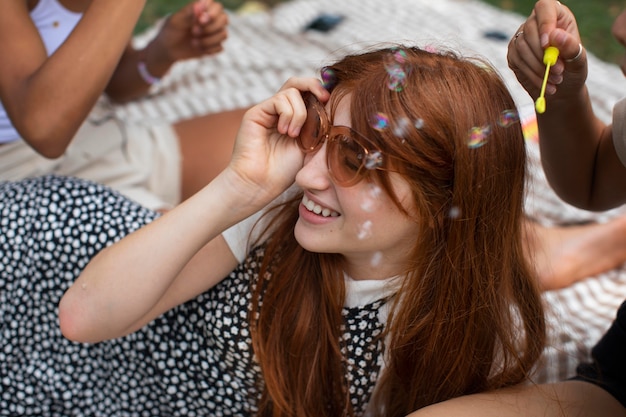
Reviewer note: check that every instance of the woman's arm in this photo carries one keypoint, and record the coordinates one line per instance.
(48, 99)
(563, 399)
(182, 253)
(152, 270)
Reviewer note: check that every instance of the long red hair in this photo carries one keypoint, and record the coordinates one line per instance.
(468, 316)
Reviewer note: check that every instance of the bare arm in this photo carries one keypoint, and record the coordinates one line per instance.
(576, 147)
(47, 99)
(182, 253)
(579, 157)
(563, 399)
(152, 270)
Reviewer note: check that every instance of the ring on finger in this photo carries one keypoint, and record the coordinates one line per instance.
(578, 55)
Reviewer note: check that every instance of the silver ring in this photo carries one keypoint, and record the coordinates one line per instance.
(517, 35)
(578, 55)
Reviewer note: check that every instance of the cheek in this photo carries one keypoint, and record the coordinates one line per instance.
(375, 215)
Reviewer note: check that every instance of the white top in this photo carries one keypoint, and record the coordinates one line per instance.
(54, 23)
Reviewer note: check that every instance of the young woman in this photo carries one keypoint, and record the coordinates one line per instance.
(64, 54)
(390, 276)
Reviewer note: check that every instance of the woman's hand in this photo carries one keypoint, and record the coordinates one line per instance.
(550, 24)
(199, 28)
(266, 157)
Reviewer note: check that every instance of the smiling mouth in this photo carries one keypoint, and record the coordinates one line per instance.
(317, 209)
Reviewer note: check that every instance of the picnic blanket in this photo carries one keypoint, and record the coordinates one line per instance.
(265, 48)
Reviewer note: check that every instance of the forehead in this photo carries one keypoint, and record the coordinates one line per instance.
(341, 117)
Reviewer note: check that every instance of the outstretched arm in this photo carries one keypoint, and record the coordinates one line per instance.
(182, 253)
(576, 147)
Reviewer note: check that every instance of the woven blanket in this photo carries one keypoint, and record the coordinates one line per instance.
(266, 48)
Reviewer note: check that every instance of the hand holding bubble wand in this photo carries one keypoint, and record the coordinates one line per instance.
(549, 58)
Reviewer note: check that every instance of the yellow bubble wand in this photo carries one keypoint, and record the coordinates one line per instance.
(549, 58)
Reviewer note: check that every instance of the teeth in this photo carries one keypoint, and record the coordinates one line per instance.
(317, 209)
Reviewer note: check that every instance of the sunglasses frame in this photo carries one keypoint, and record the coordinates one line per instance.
(330, 134)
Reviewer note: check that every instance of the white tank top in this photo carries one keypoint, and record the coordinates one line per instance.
(54, 23)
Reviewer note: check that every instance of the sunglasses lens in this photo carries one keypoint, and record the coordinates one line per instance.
(346, 158)
(310, 133)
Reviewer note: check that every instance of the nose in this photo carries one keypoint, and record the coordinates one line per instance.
(314, 173)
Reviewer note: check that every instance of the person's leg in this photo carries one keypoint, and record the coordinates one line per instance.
(563, 255)
(206, 144)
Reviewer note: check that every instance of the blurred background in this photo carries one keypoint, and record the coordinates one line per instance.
(594, 18)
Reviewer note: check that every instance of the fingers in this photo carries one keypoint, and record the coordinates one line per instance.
(312, 85)
(550, 24)
(291, 112)
(557, 26)
(525, 58)
(210, 43)
(209, 28)
(209, 17)
(201, 11)
(287, 106)
(546, 14)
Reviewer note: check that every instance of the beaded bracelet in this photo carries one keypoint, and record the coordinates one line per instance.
(142, 69)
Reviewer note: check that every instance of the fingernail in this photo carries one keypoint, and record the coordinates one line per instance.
(555, 79)
(544, 40)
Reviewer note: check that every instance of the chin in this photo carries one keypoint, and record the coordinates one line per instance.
(312, 242)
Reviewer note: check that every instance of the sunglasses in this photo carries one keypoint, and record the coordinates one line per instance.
(350, 155)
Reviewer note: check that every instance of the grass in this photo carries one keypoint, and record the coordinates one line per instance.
(595, 18)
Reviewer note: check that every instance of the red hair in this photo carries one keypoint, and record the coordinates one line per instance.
(468, 316)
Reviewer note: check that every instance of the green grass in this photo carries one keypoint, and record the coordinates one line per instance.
(595, 18)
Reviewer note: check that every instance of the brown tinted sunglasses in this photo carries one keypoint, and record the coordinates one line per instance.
(350, 155)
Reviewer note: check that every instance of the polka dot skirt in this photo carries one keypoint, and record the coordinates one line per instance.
(195, 360)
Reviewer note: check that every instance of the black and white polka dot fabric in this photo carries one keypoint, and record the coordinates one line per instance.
(195, 360)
